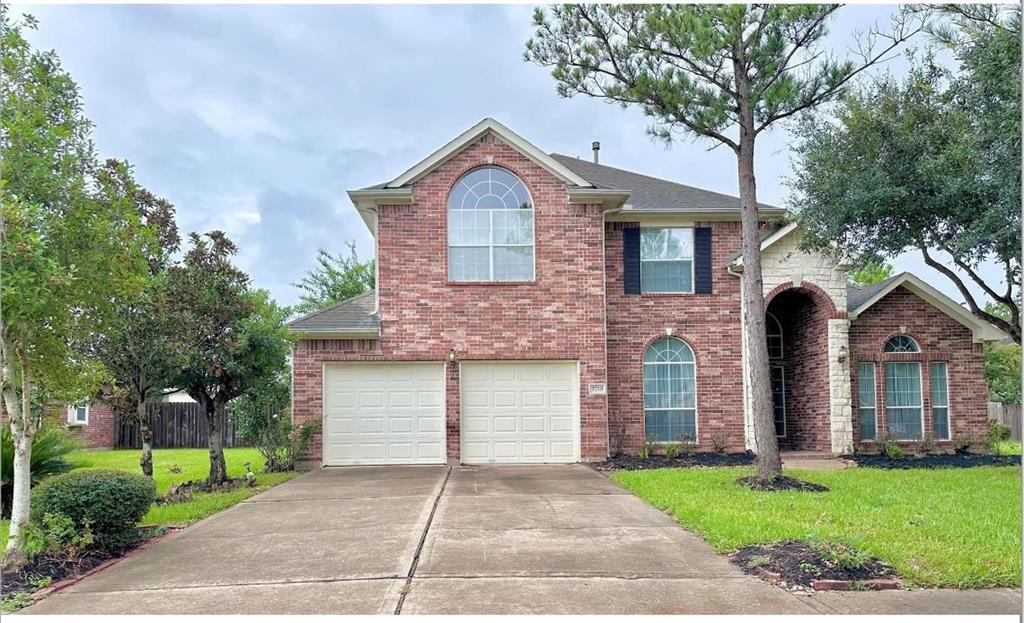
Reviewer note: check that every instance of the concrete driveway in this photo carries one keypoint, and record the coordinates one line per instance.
(367, 540)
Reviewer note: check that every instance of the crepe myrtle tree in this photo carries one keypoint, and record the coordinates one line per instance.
(720, 73)
(232, 338)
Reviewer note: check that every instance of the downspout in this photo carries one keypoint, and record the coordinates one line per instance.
(744, 370)
(604, 302)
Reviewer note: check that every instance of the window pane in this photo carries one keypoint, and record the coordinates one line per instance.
(901, 344)
(513, 227)
(940, 422)
(903, 384)
(466, 227)
(866, 399)
(670, 425)
(779, 399)
(867, 423)
(513, 263)
(469, 263)
(940, 392)
(666, 244)
(666, 276)
(904, 423)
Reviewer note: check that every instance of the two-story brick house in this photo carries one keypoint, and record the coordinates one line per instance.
(535, 307)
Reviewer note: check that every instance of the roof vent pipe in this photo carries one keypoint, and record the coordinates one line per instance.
(597, 147)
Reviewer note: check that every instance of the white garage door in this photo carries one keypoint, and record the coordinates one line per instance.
(382, 413)
(520, 412)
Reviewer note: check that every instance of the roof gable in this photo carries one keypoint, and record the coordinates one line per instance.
(470, 136)
(860, 300)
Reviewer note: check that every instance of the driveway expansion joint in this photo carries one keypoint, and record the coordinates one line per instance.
(419, 545)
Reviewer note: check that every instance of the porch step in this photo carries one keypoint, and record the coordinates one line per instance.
(806, 455)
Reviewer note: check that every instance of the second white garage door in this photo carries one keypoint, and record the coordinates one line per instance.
(383, 413)
(520, 412)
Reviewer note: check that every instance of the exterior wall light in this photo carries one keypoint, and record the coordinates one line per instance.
(451, 355)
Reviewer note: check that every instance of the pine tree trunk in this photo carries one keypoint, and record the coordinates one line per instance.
(769, 462)
(146, 461)
(218, 467)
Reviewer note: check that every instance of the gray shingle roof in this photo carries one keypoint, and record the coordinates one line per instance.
(652, 193)
(354, 314)
(857, 296)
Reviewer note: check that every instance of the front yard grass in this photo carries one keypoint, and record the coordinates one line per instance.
(938, 527)
(175, 466)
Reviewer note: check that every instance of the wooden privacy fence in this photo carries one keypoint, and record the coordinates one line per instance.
(1007, 415)
(177, 425)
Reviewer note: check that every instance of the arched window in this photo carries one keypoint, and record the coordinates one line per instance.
(490, 227)
(902, 344)
(670, 391)
(774, 330)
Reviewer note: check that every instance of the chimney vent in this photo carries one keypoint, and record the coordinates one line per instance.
(597, 148)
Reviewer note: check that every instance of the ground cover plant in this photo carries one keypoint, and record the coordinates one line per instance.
(936, 527)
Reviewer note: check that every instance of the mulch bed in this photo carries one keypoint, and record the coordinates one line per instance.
(57, 567)
(931, 461)
(695, 459)
(781, 483)
(797, 565)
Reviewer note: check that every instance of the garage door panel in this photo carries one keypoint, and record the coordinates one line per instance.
(519, 412)
(380, 413)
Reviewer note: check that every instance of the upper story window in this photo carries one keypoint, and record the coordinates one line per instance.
(774, 330)
(78, 414)
(490, 228)
(901, 344)
(666, 260)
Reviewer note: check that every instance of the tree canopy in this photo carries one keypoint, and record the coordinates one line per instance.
(334, 279)
(928, 163)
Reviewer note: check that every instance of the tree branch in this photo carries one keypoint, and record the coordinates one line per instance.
(1008, 328)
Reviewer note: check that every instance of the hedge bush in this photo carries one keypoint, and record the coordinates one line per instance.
(109, 502)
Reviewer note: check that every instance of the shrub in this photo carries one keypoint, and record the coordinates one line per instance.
(671, 450)
(646, 448)
(892, 450)
(108, 502)
(997, 434)
(928, 445)
(720, 442)
(687, 444)
(963, 444)
(58, 534)
(50, 450)
(616, 438)
(840, 555)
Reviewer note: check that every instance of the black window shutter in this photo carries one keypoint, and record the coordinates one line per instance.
(702, 259)
(631, 260)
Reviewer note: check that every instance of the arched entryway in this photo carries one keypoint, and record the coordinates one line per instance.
(797, 327)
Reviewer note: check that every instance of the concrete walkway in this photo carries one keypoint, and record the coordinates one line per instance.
(468, 540)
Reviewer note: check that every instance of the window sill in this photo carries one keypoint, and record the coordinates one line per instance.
(665, 294)
(492, 283)
(77, 424)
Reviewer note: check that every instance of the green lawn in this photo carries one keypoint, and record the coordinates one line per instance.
(1008, 447)
(945, 527)
(194, 464)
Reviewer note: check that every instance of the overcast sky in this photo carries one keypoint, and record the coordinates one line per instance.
(257, 119)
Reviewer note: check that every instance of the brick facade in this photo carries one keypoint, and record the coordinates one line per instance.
(559, 316)
(709, 323)
(941, 339)
(99, 434)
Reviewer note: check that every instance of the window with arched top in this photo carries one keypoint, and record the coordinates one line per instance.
(901, 344)
(670, 391)
(774, 330)
(490, 227)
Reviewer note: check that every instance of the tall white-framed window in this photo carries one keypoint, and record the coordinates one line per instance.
(774, 330)
(940, 399)
(670, 391)
(866, 407)
(666, 259)
(778, 375)
(904, 412)
(490, 228)
(78, 415)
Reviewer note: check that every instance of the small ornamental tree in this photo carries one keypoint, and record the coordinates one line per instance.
(930, 164)
(720, 73)
(66, 253)
(231, 338)
(334, 279)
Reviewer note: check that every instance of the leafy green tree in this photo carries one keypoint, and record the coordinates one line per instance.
(66, 253)
(870, 273)
(139, 350)
(233, 339)
(334, 279)
(720, 73)
(931, 163)
(1003, 364)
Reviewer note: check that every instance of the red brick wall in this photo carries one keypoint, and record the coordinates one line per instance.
(709, 323)
(805, 347)
(423, 315)
(99, 434)
(941, 339)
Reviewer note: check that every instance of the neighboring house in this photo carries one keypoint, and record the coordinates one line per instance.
(94, 423)
(536, 307)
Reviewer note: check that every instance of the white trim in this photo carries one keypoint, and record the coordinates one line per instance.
(931, 386)
(774, 237)
(73, 415)
(335, 334)
(488, 124)
(885, 347)
(983, 331)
